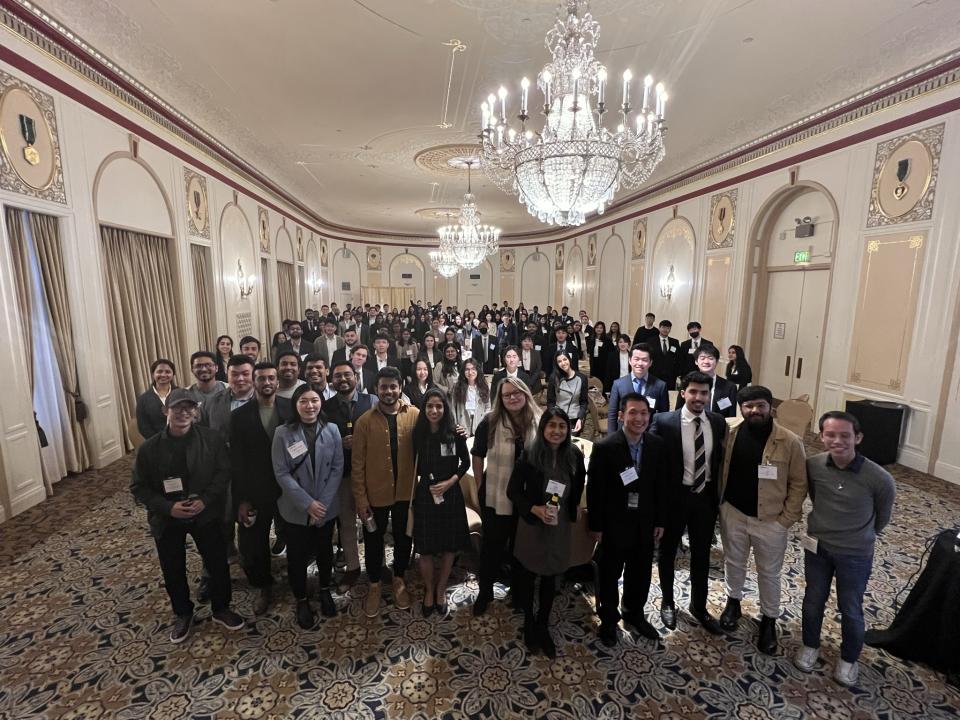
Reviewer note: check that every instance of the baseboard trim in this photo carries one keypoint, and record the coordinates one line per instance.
(948, 472)
(27, 500)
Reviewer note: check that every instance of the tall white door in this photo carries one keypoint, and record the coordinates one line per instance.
(792, 333)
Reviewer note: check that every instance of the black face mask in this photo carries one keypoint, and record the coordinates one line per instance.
(483, 331)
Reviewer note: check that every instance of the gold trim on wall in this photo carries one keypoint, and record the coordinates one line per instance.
(921, 148)
(639, 242)
(723, 214)
(198, 220)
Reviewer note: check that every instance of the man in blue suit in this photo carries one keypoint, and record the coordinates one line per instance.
(639, 381)
(694, 440)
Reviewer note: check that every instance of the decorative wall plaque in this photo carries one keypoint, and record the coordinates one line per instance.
(299, 243)
(263, 225)
(30, 162)
(592, 250)
(559, 256)
(323, 252)
(373, 258)
(723, 210)
(508, 260)
(905, 177)
(639, 238)
(198, 209)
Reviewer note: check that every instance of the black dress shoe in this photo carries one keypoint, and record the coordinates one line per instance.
(767, 642)
(668, 614)
(707, 621)
(730, 617)
(639, 623)
(531, 637)
(608, 634)
(279, 545)
(328, 608)
(305, 617)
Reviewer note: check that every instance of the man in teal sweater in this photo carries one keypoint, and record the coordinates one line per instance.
(852, 501)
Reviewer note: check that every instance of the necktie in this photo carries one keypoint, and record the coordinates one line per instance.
(638, 385)
(635, 452)
(699, 457)
(665, 351)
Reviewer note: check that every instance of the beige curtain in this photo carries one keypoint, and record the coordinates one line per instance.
(206, 327)
(287, 282)
(141, 297)
(46, 236)
(397, 297)
(21, 276)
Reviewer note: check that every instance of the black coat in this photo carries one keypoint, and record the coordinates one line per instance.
(687, 360)
(528, 487)
(150, 417)
(333, 410)
(667, 427)
(251, 459)
(643, 335)
(607, 496)
(306, 348)
(724, 390)
(665, 365)
(489, 342)
(550, 362)
(499, 375)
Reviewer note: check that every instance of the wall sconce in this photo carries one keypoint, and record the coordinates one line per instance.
(316, 284)
(667, 284)
(573, 287)
(244, 282)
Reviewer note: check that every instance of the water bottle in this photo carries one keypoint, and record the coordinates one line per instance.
(437, 499)
(370, 524)
(553, 510)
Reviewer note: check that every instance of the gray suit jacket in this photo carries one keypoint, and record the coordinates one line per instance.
(320, 348)
(303, 480)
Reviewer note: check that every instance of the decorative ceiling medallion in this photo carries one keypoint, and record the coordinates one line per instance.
(905, 177)
(639, 238)
(263, 225)
(30, 162)
(723, 209)
(445, 159)
(508, 260)
(373, 257)
(439, 213)
(198, 209)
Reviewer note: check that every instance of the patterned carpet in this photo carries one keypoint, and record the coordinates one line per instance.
(84, 622)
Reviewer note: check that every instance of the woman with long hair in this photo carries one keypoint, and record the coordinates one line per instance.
(447, 373)
(279, 338)
(738, 369)
(568, 391)
(346, 321)
(500, 438)
(308, 464)
(224, 351)
(429, 351)
(470, 397)
(407, 351)
(422, 380)
(545, 488)
(614, 333)
(618, 362)
(149, 411)
(598, 349)
(439, 511)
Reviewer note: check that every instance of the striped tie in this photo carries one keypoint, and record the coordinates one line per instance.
(699, 458)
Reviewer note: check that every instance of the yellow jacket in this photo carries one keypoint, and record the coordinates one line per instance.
(372, 471)
(780, 499)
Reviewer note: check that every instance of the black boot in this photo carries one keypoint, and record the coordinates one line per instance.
(730, 617)
(531, 635)
(767, 641)
(546, 642)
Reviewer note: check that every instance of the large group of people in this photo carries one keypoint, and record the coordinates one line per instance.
(355, 422)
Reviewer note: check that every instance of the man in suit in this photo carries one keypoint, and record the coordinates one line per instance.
(626, 514)
(344, 409)
(511, 368)
(530, 359)
(312, 324)
(646, 332)
(368, 326)
(351, 339)
(507, 332)
(694, 440)
(723, 393)
(665, 351)
(254, 485)
(327, 344)
(365, 379)
(486, 349)
(565, 315)
(641, 382)
(687, 354)
(562, 345)
(382, 356)
(297, 343)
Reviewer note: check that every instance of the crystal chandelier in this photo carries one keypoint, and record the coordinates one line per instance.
(574, 165)
(468, 241)
(444, 262)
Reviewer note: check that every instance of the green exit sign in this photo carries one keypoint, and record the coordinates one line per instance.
(801, 256)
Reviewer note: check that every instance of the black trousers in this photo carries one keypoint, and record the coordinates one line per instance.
(635, 563)
(305, 542)
(525, 581)
(373, 541)
(172, 551)
(697, 513)
(254, 545)
(498, 533)
(280, 527)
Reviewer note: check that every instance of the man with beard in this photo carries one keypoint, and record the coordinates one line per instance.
(762, 487)
(203, 365)
(297, 344)
(250, 347)
(315, 373)
(326, 345)
(350, 340)
(344, 409)
(288, 372)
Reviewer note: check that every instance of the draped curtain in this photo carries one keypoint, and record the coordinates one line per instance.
(287, 282)
(141, 299)
(397, 297)
(206, 325)
(21, 276)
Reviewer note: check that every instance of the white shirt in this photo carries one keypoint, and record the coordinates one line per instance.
(381, 364)
(687, 432)
(288, 393)
(526, 360)
(625, 368)
(331, 346)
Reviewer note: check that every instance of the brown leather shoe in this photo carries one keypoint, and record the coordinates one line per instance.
(371, 604)
(401, 598)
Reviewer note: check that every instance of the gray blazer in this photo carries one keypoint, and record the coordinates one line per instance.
(301, 480)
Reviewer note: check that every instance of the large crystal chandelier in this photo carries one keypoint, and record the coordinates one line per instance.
(444, 262)
(574, 165)
(468, 242)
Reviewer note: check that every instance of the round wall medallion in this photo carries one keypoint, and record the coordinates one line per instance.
(904, 178)
(445, 159)
(26, 139)
(197, 204)
(721, 222)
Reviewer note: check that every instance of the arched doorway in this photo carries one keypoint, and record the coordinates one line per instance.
(786, 295)
(345, 277)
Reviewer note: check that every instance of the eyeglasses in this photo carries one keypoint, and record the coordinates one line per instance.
(201, 366)
(182, 409)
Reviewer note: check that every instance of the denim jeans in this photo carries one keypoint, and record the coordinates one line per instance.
(852, 572)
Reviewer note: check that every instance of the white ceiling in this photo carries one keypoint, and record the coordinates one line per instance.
(332, 99)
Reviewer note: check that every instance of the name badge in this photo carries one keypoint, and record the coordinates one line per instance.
(629, 475)
(448, 450)
(537, 348)
(809, 543)
(633, 500)
(172, 485)
(767, 472)
(652, 401)
(466, 355)
(691, 351)
(493, 346)
(673, 349)
(724, 403)
(297, 449)
(304, 357)
(555, 488)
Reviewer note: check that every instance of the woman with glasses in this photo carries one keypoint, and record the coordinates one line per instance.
(471, 397)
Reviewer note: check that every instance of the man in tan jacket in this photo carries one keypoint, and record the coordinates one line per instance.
(762, 487)
(382, 478)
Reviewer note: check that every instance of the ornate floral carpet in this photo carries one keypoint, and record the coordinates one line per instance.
(84, 625)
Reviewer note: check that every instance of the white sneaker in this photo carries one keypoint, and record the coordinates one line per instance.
(806, 658)
(846, 673)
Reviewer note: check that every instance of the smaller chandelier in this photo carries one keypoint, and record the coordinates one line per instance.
(469, 242)
(444, 262)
